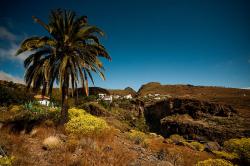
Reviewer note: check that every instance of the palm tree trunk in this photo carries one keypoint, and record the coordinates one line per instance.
(76, 97)
(45, 83)
(65, 106)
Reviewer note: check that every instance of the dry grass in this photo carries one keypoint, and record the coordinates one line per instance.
(78, 150)
(178, 155)
(42, 132)
(110, 148)
(52, 142)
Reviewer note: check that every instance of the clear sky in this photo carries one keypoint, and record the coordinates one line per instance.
(199, 42)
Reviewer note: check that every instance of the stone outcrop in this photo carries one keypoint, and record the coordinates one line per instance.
(194, 119)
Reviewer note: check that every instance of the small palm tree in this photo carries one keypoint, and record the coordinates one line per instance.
(67, 56)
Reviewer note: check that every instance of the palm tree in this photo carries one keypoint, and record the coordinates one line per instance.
(67, 56)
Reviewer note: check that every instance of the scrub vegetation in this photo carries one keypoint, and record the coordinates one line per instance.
(164, 125)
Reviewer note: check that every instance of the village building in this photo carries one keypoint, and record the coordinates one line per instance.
(129, 96)
(157, 98)
(101, 95)
(108, 98)
(43, 100)
(105, 97)
(116, 96)
(150, 95)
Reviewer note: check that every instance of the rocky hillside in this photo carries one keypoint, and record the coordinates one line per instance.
(195, 119)
(122, 92)
(237, 98)
(12, 93)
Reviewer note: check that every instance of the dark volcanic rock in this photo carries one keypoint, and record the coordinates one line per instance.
(191, 128)
(192, 119)
(195, 108)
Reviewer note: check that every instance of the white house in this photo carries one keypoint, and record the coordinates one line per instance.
(129, 96)
(150, 95)
(108, 98)
(157, 98)
(44, 100)
(101, 95)
(116, 96)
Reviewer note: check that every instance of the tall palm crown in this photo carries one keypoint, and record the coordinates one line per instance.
(68, 55)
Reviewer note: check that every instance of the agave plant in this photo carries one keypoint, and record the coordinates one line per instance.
(67, 56)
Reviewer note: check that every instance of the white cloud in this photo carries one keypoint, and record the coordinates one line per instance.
(9, 53)
(9, 77)
(6, 34)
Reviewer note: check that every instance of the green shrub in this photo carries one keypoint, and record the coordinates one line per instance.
(137, 137)
(226, 155)
(123, 115)
(15, 108)
(36, 111)
(94, 109)
(83, 123)
(188, 145)
(141, 125)
(30, 112)
(239, 146)
(49, 123)
(105, 104)
(214, 162)
(125, 103)
(177, 138)
(198, 146)
(13, 94)
(6, 161)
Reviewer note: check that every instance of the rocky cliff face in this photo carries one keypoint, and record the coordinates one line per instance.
(194, 119)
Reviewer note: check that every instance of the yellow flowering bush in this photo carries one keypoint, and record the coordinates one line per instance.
(214, 162)
(83, 123)
(137, 136)
(6, 161)
(198, 146)
(16, 108)
(74, 112)
(239, 146)
(226, 155)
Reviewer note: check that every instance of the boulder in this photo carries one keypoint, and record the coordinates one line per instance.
(212, 146)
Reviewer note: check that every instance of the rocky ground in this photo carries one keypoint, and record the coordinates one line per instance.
(114, 149)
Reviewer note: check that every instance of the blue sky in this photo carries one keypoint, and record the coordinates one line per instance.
(199, 42)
